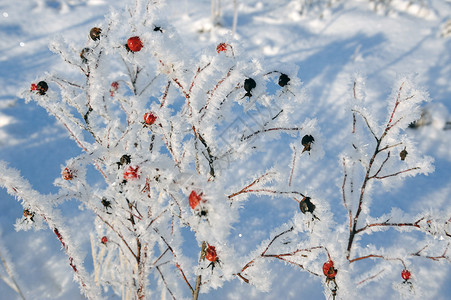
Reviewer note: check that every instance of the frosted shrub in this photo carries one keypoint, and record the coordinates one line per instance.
(175, 135)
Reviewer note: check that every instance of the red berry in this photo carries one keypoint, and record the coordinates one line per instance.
(131, 173)
(149, 118)
(211, 254)
(328, 269)
(405, 274)
(194, 199)
(222, 47)
(33, 87)
(104, 240)
(134, 44)
(114, 88)
(67, 174)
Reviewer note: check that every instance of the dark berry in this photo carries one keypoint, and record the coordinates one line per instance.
(83, 55)
(106, 203)
(403, 154)
(307, 141)
(249, 84)
(94, 33)
(125, 159)
(306, 205)
(283, 80)
(42, 87)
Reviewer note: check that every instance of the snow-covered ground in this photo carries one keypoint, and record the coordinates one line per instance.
(330, 45)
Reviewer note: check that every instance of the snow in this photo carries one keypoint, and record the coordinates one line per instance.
(328, 47)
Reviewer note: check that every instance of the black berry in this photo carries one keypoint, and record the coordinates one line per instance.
(306, 205)
(249, 84)
(125, 159)
(403, 154)
(42, 87)
(307, 141)
(283, 80)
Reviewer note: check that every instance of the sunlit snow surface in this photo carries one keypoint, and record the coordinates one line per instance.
(329, 45)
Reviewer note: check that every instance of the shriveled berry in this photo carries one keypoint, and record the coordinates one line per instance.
(329, 271)
(405, 274)
(194, 199)
(306, 205)
(283, 80)
(211, 254)
(307, 142)
(134, 44)
(42, 87)
(157, 28)
(114, 87)
(106, 203)
(249, 84)
(131, 173)
(84, 55)
(403, 154)
(67, 174)
(33, 87)
(125, 159)
(28, 214)
(149, 118)
(104, 240)
(222, 47)
(94, 33)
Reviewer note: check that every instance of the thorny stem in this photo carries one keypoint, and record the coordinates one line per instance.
(282, 256)
(211, 158)
(376, 256)
(165, 283)
(415, 224)
(245, 189)
(266, 191)
(203, 252)
(435, 258)
(371, 277)
(175, 257)
(353, 228)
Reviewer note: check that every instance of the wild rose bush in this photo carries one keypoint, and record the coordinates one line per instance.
(173, 134)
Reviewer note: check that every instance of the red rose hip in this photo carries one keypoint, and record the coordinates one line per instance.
(405, 274)
(194, 199)
(67, 174)
(134, 44)
(149, 118)
(131, 173)
(211, 254)
(329, 271)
